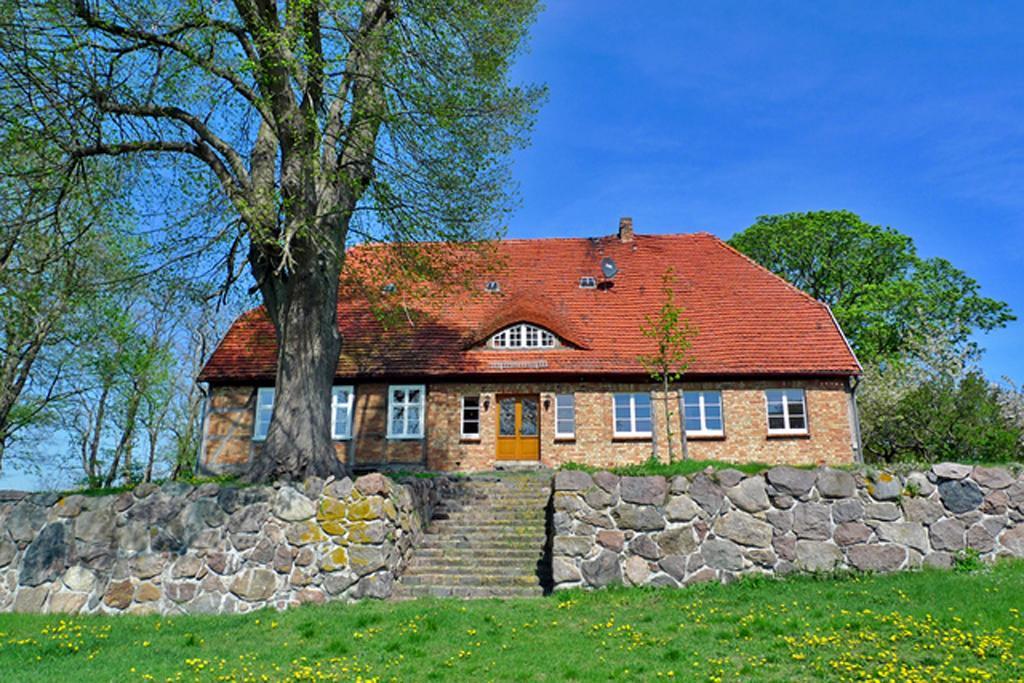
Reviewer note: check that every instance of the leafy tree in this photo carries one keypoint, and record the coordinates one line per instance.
(672, 334)
(884, 296)
(936, 405)
(317, 121)
(62, 245)
(1011, 399)
(112, 382)
(196, 335)
(135, 411)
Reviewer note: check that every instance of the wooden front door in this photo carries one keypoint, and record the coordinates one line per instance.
(518, 427)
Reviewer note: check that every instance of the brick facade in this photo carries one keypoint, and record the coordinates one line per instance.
(229, 424)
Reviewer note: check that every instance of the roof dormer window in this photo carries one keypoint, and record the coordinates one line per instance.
(523, 336)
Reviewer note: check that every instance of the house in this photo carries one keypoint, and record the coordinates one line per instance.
(536, 361)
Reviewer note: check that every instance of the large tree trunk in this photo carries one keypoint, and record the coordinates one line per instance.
(303, 305)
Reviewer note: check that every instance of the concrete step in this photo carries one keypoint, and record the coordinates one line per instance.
(523, 484)
(496, 580)
(539, 502)
(493, 516)
(440, 565)
(482, 540)
(501, 491)
(511, 537)
(480, 529)
(446, 543)
(460, 572)
(485, 521)
(511, 512)
(466, 592)
(471, 554)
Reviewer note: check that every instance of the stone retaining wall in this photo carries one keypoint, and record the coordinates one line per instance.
(209, 549)
(718, 525)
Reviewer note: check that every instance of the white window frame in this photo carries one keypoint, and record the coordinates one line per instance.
(701, 403)
(264, 400)
(787, 430)
(462, 418)
(520, 335)
(632, 415)
(336, 392)
(559, 399)
(422, 404)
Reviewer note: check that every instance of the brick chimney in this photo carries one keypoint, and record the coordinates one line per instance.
(625, 229)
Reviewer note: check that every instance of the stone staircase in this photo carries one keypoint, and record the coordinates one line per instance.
(487, 539)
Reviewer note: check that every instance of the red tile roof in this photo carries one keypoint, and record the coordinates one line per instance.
(749, 321)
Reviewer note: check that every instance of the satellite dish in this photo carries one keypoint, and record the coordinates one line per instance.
(608, 267)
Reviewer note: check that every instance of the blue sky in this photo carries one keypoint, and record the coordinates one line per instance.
(702, 116)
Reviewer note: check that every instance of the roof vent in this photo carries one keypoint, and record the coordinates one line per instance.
(389, 288)
(492, 286)
(588, 282)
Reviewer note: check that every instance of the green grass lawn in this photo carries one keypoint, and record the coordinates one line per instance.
(927, 626)
(685, 467)
(688, 467)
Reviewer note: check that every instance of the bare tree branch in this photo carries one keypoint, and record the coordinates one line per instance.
(83, 12)
(232, 157)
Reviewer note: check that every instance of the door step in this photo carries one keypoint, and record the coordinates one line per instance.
(517, 465)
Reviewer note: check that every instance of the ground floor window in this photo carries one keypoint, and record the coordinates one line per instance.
(702, 413)
(565, 416)
(470, 417)
(264, 411)
(787, 411)
(632, 414)
(341, 412)
(405, 411)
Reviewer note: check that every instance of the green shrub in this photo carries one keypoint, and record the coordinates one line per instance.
(968, 560)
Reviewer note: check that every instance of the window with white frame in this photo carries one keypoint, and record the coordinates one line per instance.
(470, 417)
(632, 414)
(264, 412)
(702, 413)
(405, 411)
(523, 336)
(787, 411)
(565, 416)
(341, 412)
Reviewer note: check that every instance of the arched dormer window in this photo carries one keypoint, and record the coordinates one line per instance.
(523, 336)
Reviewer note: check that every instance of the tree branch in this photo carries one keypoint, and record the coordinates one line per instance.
(261, 22)
(198, 149)
(233, 158)
(368, 101)
(375, 13)
(83, 12)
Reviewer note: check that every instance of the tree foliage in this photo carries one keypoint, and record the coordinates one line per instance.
(64, 244)
(938, 406)
(672, 335)
(97, 321)
(885, 297)
(319, 122)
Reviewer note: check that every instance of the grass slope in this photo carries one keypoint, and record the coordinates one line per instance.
(926, 626)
